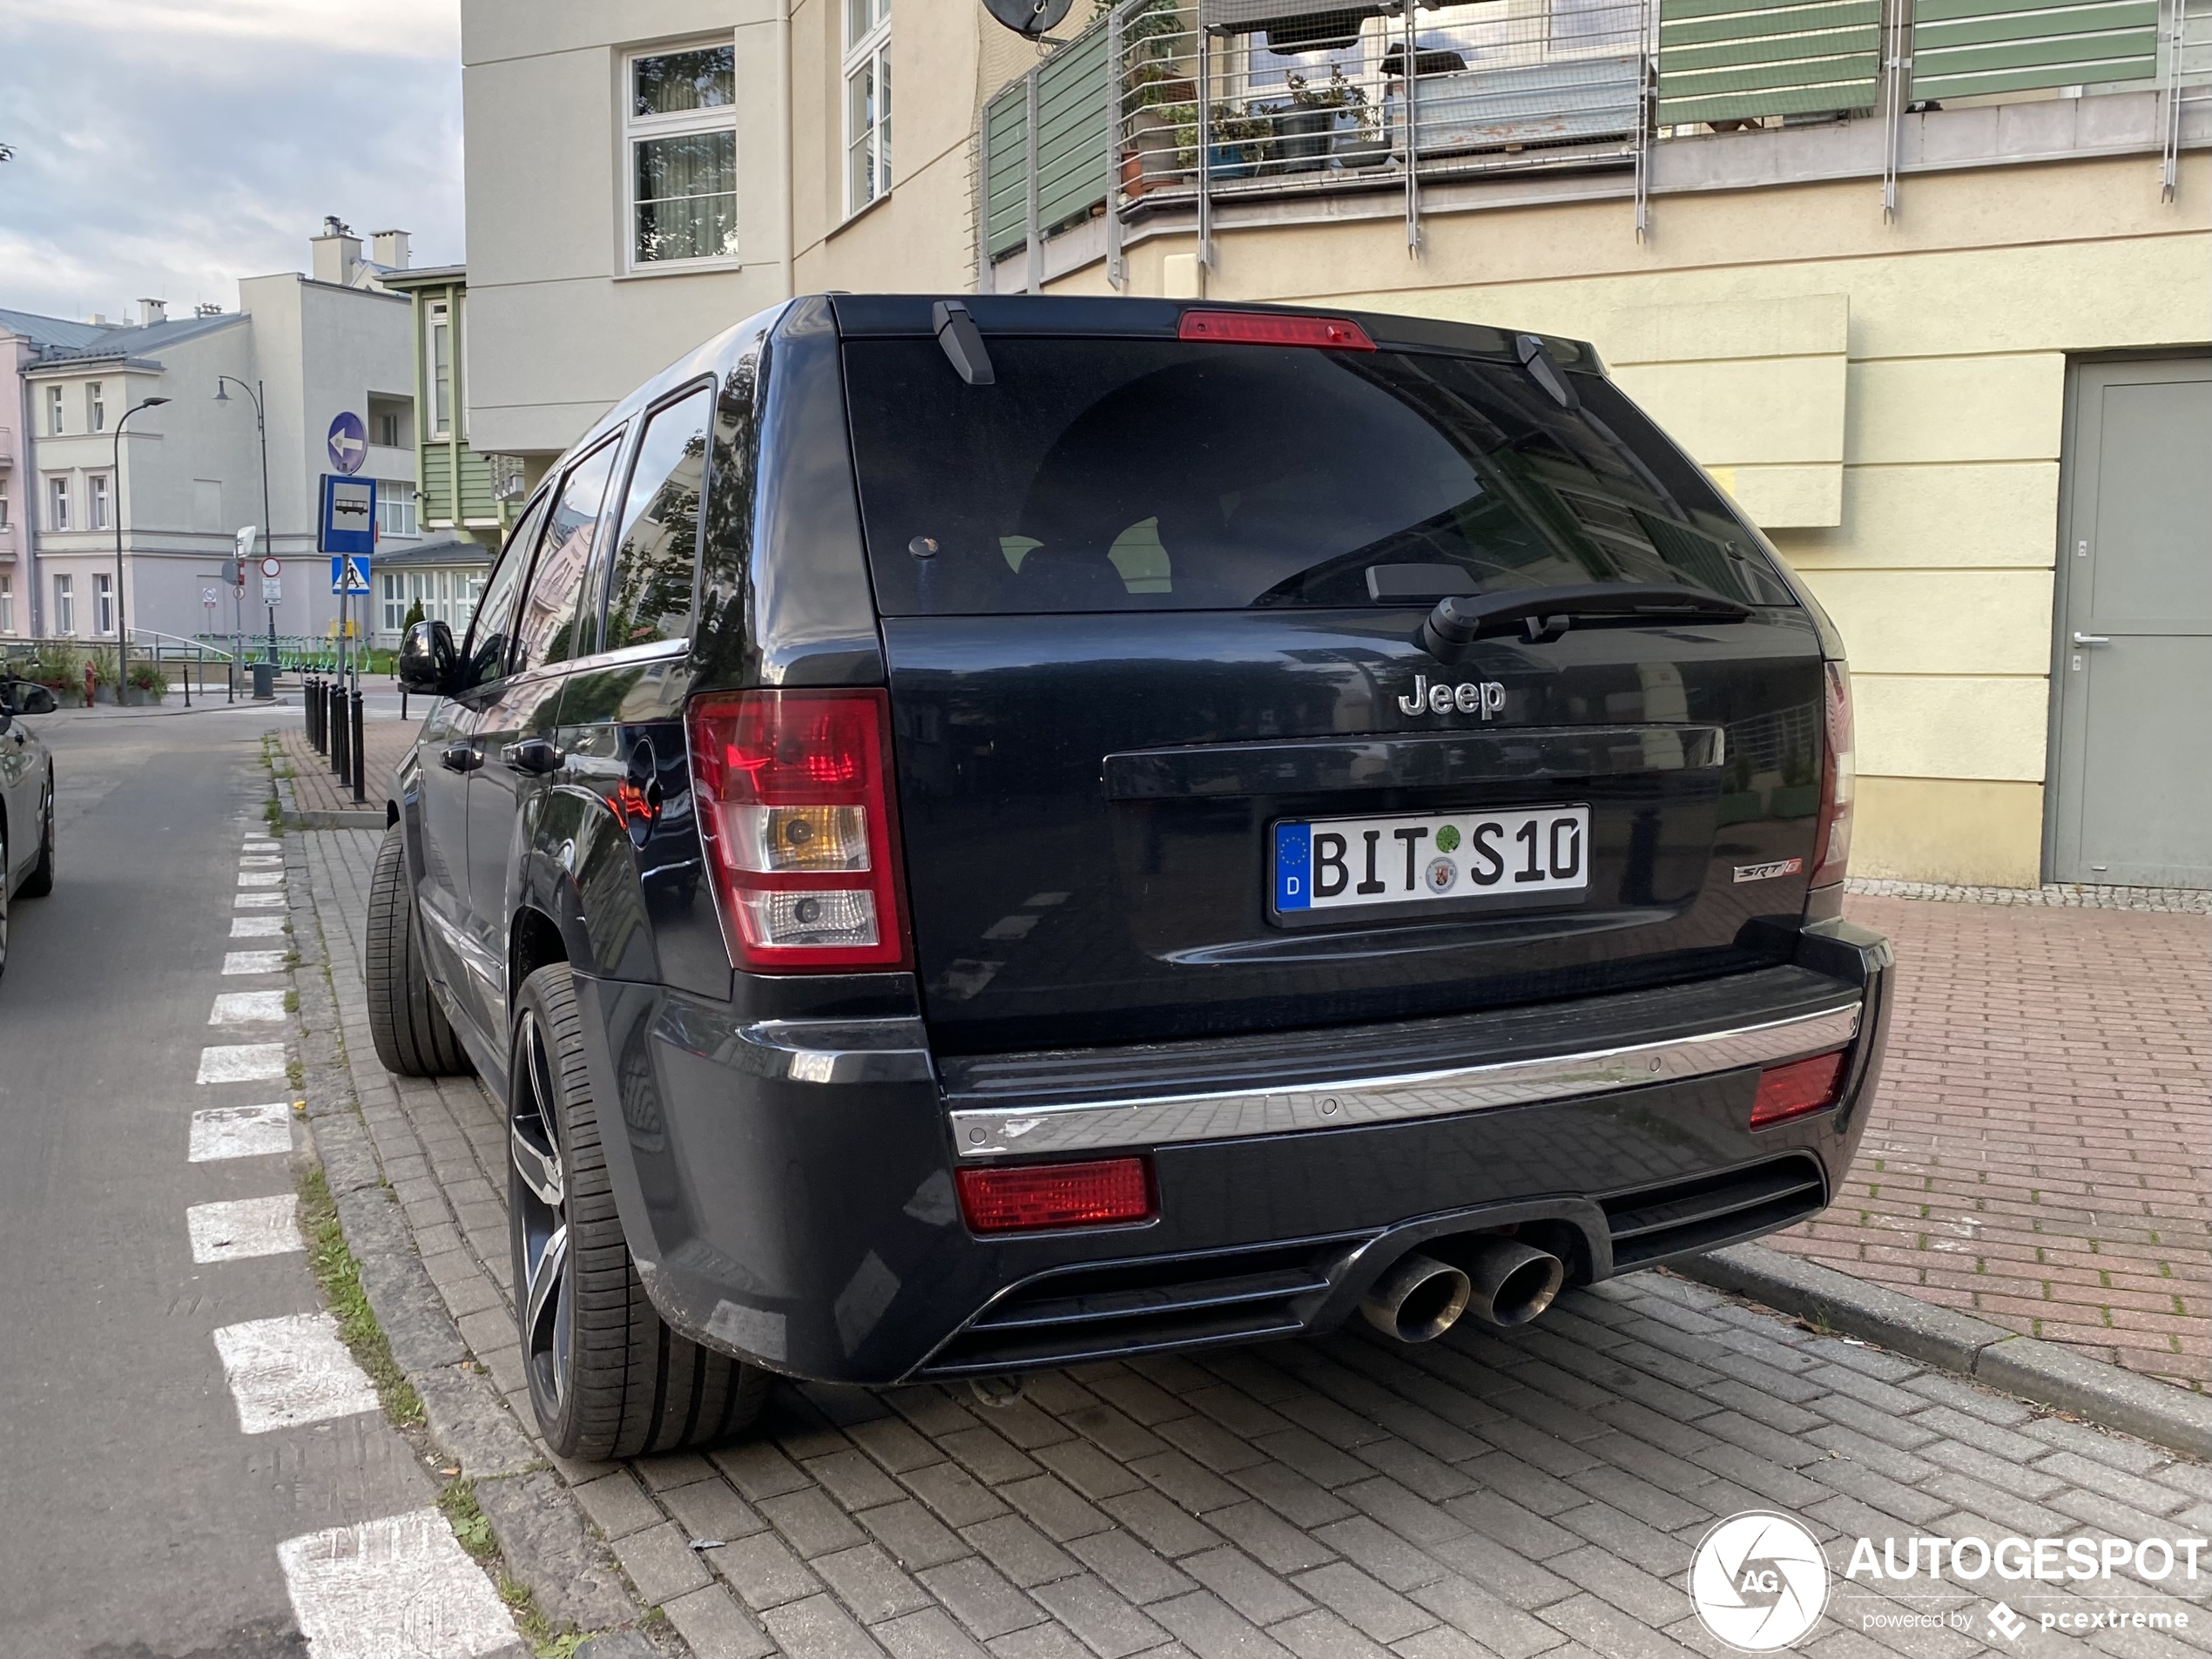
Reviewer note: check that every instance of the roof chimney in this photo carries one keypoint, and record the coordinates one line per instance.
(98, 319)
(152, 312)
(390, 249)
(337, 252)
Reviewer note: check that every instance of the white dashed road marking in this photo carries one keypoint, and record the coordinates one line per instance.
(240, 1132)
(291, 1370)
(397, 1589)
(236, 1008)
(260, 878)
(240, 1063)
(257, 926)
(259, 901)
(253, 961)
(252, 863)
(241, 1227)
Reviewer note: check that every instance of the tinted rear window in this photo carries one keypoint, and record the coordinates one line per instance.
(1130, 475)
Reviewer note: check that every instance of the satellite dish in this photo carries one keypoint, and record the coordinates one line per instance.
(1033, 18)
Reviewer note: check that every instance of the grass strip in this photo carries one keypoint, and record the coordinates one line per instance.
(339, 1275)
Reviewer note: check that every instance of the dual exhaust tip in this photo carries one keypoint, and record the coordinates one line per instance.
(1501, 1282)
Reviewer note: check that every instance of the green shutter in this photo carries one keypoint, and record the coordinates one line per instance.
(1005, 163)
(1072, 165)
(1961, 48)
(1723, 60)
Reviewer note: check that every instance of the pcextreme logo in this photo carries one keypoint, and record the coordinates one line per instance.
(1758, 1581)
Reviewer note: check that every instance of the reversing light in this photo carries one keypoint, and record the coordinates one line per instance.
(1798, 1089)
(1022, 1197)
(1838, 779)
(795, 810)
(1272, 329)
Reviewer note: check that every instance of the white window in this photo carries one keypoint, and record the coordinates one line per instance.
(58, 504)
(95, 409)
(53, 411)
(4, 509)
(867, 101)
(395, 508)
(66, 606)
(388, 430)
(680, 112)
(102, 604)
(439, 350)
(395, 599)
(7, 604)
(97, 499)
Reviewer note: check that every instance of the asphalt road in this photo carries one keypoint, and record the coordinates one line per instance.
(136, 1519)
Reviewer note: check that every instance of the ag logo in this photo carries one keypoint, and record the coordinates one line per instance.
(1758, 1581)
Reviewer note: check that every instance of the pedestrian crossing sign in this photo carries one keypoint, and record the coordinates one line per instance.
(348, 573)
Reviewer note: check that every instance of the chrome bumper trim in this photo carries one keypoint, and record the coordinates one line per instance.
(1167, 1120)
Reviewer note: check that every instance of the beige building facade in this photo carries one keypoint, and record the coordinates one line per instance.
(1882, 326)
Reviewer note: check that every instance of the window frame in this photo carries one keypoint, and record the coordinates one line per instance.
(603, 577)
(618, 448)
(99, 501)
(438, 320)
(64, 604)
(870, 51)
(54, 400)
(96, 405)
(388, 494)
(58, 504)
(7, 603)
(102, 604)
(637, 128)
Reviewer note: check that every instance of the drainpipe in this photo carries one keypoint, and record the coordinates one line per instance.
(34, 504)
(783, 103)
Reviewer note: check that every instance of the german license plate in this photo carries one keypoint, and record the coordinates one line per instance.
(1430, 858)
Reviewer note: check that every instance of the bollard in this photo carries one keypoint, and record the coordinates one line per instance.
(337, 711)
(312, 690)
(360, 776)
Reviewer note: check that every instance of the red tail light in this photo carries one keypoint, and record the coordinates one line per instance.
(794, 792)
(1022, 1197)
(1801, 1087)
(1268, 328)
(1839, 779)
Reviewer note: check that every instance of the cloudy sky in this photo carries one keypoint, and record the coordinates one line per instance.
(170, 147)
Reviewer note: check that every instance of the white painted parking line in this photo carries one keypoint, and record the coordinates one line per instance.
(260, 878)
(253, 961)
(240, 1063)
(291, 1370)
(397, 1589)
(257, 926)
(241, 1008)
(259, 901)
(239, 1227)
(240, 1132)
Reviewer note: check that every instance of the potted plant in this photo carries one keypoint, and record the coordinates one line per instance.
(1159, 99)
(1305, 129)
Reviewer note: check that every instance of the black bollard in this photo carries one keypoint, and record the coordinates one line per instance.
(360, 763)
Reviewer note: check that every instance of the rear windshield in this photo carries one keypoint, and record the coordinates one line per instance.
(1127, 474)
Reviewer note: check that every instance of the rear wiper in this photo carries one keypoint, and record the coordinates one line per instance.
(1539, 614)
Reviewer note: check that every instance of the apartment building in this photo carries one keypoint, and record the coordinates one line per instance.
(1926, 284)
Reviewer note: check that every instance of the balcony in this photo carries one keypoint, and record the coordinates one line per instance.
(1184, 116)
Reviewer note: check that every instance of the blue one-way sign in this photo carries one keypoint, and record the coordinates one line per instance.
(349, 575)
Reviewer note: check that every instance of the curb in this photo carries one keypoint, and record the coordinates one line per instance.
(2045, 1372)
(546, 1544)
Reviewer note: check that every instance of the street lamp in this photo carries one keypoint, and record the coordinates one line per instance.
(268, 530)
(122, 627)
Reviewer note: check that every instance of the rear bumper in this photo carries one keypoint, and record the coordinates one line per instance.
(787, 1192)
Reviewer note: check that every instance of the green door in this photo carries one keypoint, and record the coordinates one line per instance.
(2133, 803)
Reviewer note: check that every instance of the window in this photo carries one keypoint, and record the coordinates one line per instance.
(439, 350)
(682, 122)
(391, 423)
(395, 505)
(102, 604)
(53, 411)
(484, 657)
(97, 499)
(867, 101)
(95, 409)
(58, 504)
(554, 628)
(394, 601)
(7, 604)
(652, 597)
(4, 509)
(66, 605)
(388, 430)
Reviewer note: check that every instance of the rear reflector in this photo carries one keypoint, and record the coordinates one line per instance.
(1024, 1196)
(1801, 1087)
(1269, 329)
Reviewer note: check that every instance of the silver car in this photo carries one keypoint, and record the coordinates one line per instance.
(26, 801)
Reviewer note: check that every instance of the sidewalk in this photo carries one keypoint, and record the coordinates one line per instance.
(2041, 1153)
(315, 788)
(1345, 1498)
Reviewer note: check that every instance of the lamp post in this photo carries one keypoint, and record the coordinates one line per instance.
(268, 530)
(122, 628)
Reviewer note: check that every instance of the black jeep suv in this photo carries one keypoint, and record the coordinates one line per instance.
(975, 834)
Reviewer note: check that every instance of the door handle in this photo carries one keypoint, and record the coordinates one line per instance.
(461, 757)
(2092, 639)
(533, 755)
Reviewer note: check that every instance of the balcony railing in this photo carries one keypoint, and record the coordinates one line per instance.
(1178, 107)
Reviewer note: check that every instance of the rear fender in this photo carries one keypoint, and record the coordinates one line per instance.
(564, 857)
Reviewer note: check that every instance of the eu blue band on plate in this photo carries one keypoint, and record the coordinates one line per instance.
(1293, 866)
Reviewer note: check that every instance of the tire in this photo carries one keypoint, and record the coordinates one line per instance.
(40, 882)
(608, 1377)
(412, 1035)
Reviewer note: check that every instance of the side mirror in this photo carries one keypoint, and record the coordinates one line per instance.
(429, 662)
(33, 699)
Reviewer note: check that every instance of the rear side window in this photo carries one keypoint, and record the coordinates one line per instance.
(488, 629)
(658, 549)
(547, 632)
(1116, 474)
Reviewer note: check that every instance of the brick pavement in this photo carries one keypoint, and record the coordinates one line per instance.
(2041, 1153)
(1337, 1499)
(315, 788)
